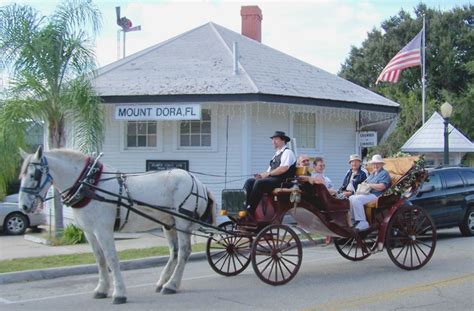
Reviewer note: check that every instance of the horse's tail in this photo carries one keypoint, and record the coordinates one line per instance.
(211, 205)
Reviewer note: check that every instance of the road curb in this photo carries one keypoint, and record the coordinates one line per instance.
(52, 273)
(143, 263)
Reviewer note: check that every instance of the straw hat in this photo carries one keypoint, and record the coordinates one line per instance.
(376, 158)
(354, 157)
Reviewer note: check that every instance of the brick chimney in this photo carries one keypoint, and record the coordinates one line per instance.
(252, 22)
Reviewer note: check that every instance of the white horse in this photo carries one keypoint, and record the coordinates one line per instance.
(176, 189)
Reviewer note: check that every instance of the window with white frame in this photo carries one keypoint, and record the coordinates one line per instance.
(141, 134)
(196, 133)
(304, 130)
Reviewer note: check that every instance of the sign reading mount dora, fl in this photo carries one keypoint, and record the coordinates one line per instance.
(158, 112)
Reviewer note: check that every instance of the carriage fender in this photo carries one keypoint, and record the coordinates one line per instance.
(393, 210)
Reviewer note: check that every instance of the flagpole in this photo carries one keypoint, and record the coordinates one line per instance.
(423, 74)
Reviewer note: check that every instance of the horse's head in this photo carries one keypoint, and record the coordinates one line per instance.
(35, 180)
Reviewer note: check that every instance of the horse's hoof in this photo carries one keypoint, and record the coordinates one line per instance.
(119, 300)
(100, 295)
(168, 291)
(159, 288)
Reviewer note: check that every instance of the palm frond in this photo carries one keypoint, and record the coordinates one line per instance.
(73, 15)
(17, 24)
(87, 115)
(15, 116)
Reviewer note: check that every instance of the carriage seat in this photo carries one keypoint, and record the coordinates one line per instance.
(300, 171)
(397, 168)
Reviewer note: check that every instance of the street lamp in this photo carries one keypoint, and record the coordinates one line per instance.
(446, 110)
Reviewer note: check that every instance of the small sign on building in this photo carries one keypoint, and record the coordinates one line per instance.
(368, 139)
(163, 165)
(158, 112)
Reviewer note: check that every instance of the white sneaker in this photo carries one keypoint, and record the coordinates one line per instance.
(362, 225)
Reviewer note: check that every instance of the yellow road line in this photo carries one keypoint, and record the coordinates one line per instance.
(379, 297)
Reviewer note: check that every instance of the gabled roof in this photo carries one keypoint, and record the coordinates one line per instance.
(200, 62)
(430, 138)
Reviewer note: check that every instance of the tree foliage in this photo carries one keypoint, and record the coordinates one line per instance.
(449, 68)
(50, 59)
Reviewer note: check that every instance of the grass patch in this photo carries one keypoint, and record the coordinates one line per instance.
(45, 262)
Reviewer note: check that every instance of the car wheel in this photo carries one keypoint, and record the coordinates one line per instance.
(15, 224)
(467, 225)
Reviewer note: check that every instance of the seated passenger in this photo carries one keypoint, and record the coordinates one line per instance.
(282, 166)
(303, 161)
(377, 182)
(317, 177)
(355, 175)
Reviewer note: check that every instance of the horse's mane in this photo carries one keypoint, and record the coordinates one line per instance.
(62, 151)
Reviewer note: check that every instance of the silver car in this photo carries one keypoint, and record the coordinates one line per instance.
(15, 222)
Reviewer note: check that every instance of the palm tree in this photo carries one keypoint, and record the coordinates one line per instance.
(50, 60)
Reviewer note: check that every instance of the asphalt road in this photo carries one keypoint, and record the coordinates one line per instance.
(326, 281)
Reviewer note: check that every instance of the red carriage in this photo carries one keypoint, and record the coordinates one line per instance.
(273, 245)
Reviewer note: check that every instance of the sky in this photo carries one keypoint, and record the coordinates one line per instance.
(319, 32)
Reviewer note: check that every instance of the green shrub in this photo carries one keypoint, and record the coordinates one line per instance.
(73, 235)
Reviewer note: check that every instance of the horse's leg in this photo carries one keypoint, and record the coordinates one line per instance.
(105, 238)
(172, 238)
(184, 240)
(102, 288)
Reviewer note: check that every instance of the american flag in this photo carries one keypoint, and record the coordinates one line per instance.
(409, 56)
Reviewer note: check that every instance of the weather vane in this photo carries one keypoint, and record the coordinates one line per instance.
(126, 26)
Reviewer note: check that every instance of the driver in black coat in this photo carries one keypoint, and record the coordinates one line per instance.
(282, 166)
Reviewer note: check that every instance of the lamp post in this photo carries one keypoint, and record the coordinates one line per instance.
(446, 110)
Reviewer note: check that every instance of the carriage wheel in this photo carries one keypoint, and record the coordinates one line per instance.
(410, 238)
(228, 254)
(276, 254)
(348, 248)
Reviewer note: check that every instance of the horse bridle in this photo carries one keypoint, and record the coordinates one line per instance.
(40, 170)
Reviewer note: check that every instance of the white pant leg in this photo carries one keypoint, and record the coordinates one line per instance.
(357, 205)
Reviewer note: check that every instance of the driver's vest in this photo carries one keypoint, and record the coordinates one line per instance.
(276, 161)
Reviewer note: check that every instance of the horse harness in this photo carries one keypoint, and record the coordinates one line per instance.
(79, 194)
(85, 189)
(40, 169)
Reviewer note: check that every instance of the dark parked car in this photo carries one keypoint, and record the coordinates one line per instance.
(448, 196)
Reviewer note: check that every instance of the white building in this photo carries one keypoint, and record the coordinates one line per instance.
(245, 90)
(429, 140)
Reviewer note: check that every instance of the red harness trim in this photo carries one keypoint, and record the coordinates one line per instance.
(77, 184)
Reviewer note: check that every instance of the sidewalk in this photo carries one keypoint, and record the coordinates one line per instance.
(30, 245)
(12, 247)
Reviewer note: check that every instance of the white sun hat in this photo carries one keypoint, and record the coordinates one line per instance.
(376, 158)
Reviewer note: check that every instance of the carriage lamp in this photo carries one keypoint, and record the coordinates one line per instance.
(224, 212)
(446, 110)
(295, 196)
(242, 214)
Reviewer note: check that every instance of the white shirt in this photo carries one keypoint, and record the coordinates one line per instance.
(327, 181)
(288, 158)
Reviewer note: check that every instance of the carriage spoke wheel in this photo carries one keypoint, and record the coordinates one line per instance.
(410, 238)
(228, 254)
(349, 249)
(277, 254)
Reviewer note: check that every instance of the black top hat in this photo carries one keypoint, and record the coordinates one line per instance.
(282, 135)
